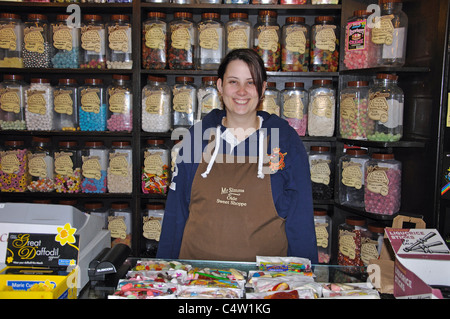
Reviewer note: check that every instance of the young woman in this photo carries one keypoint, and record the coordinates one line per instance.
(247, 191)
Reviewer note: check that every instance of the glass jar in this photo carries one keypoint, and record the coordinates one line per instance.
(211, 42)
(354, 104)
(120, 224)
(359, 51)
(66, 44)
(383, 175)
(155, 173)
(11, 30)
(349, 241)
(97, 209)
(295, 45)
(292, 1)
(271, 101)
(154, 41)
(36, 50)
(157, 1)
(323, 228)
(94, 166)
(184, 101)
(156, 105)
(238, 32)
(208, 97)
(264, 2)
(12, 102)
(371, 242)
(65, 103)
(321, 108)
(236, 1)
(41, 165)
(324, 45)
(39, 105)
(351, 177)
(266, 33)
(183, 1)
(386, 109)
(92, 106)
(93, 42)
(14, 175)
(120, 169)
(322, 172)
(294, 106)
(120, 104)
(152, 219)
(324, 1)
(182, 41)
(119, 47)
(67, 159)
(392, 33)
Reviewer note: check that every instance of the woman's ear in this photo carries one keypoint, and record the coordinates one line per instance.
(263, 89)
(219, 85)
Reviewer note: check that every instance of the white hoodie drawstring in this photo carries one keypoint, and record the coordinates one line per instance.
(216, 151)
(260, 155)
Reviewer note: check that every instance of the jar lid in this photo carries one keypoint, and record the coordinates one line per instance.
(361, 13)
(295, 19)
(389, 1)
(39, 139)
(209, 78)
(155, 206)
(241, 15)
(386, 76)
(156, 15)
(121, 143)
(36, 16)
(12, 77)
(67, 81)
(155, 142)
(355, 221)
(320, 148)
(92, 17)
(356, 151)
(93, 143)
(14, 143)
(119, 205)
(115, 17)
(271, 84)
(267, 13)
(322, 82)
(294, 84)
(154, 78)
(67, 143)
(320, 212)
(376, 227)
(210, 15)
(121, 77)
(182, 15)
(70, 202)
(320, 19)
(93, 81)
(93, 205)
(358, 83)
(61, 17)
(184, 79)
(9, 16)
(39, 80)
(383, 156)
(41, 201)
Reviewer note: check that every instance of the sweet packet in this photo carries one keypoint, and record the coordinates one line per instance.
(289, 264)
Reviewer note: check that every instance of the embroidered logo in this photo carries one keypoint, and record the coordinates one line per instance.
(276, 161)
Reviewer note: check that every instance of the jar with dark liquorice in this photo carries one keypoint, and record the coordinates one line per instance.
(120, 223)
(295, 45)
(65, 103)
(324, 45)
(11, 48)
(349, 241)
(267, 34)
(12, 105)
(182, 41)
(36, 49)
(67, 158)
(322, 172)
(152, 220)
(154, 41)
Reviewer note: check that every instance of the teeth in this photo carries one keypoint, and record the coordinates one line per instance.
(240, 101)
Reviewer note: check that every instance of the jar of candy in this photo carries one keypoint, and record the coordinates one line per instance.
(323, 235)
(354, 105)
(120, 169)
(93, 42)
(236, 1)
(120, 223)
(152, 219)
(359, 51)
(11, 27)
(211, 42)
(386, 109)
(157, 1)
(238, 32)
(294, 106)
(97, 209)
(154, 41)
(119, 47)
(383, 175)
(36, 48)
(321, 108)
(156, 105)
(120, 104)
(292, 1)
(184, 101)
(65, 103)
(182, 41)
(94, 166)
(67, 159)
(39, 105)
(14, 175)
(264, 1)
(324, 1)
(155, 173)
(12, 102)
(183, 1)
(267, 34)
(92, 105)
(351, 177)
(295, 45)
(324, 45)
(271, 101)
(322, 172)
(41, 165)
(371, 242)
(391, 34)
(349, 241)
(66, 43)
(208, 97)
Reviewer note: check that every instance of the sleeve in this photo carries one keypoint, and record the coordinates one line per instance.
(300, 228)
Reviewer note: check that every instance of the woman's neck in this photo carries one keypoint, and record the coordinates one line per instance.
(241, 127)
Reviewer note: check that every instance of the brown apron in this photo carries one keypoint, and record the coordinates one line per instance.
(232, 215)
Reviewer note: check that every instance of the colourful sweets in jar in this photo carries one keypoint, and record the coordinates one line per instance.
(14, 175)
(155, 173)
(295, 45)
(267, 39)
(324, 45)
(67, 176)
(94, 166)
(154, 41)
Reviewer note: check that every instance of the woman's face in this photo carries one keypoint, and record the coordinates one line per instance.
(238, 90)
